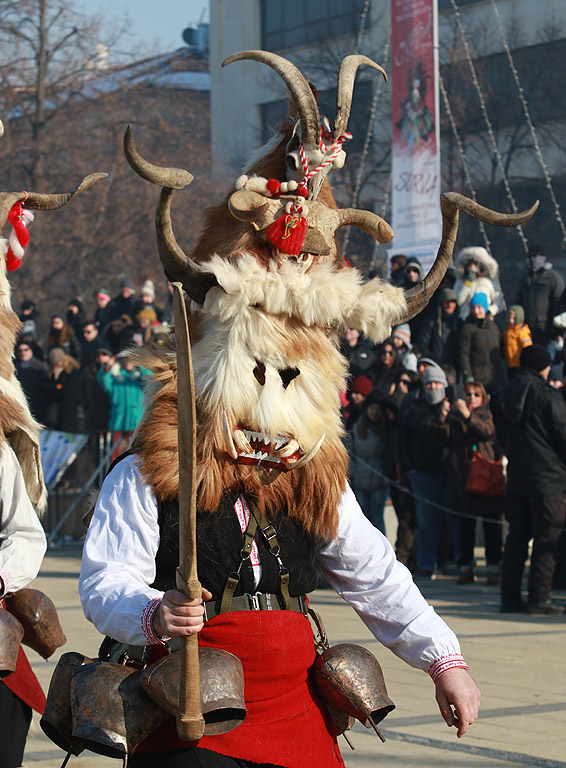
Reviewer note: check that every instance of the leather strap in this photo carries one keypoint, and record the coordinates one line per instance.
(258, 602)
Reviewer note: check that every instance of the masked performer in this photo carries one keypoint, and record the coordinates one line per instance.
(269, 294)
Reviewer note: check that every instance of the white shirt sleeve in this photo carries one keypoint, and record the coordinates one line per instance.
(119, 558)
(361, 566)
(22, 539)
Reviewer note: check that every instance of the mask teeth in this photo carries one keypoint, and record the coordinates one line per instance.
(287, 450)
(292, 464)
(230, 447)
(242, 442)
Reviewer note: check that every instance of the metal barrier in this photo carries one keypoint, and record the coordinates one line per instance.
(81, 469)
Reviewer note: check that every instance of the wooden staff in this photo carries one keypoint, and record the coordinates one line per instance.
(190, 722)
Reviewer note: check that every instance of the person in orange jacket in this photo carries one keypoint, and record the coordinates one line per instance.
(516, 336)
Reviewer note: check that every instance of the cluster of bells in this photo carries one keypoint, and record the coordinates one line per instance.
(112, 708)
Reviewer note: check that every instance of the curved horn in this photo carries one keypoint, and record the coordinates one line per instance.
(345, 90)
(299, 87)
(370, 222)
(173, 178)
(176, 265)
(247, 206)
(451, 204)
(39, 201)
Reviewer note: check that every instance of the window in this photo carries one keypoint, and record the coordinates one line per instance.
(296, 22)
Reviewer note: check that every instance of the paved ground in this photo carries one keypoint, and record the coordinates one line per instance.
(519, 663)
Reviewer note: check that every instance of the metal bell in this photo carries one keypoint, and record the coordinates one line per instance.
(221, 687)
(112, 714)
(38, 616)
(11, 634)
(57, 720)
(349, 678)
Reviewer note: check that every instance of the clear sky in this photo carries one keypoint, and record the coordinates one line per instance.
(158, 24)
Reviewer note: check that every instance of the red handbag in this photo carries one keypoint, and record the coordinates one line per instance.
(485, 477)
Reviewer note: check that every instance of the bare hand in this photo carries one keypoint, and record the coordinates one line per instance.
(462, 408)
(458, 699)
(177, 615)
(444, 409)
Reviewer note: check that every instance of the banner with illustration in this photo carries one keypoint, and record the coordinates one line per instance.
(415, 195)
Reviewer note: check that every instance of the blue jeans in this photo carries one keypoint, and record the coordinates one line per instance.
(373, 504)
(433, 488)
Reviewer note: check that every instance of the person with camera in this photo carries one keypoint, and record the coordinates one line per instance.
(470, 433)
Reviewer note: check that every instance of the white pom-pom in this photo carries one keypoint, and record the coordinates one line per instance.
(241, 181)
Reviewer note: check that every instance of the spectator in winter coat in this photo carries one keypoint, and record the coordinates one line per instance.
(63, 393)
(478, 272)
(540, 294)
(96, 400)
(530, 417)
(31, 373)
(359, 352)
(76, 316)
(123, 303)
(401, 340)
(147, 300)
(29, 315)
(356, 396)
(90, 343)
(470, 427)
(386, 370)
(479, 346)
(439, 331)
(516, 336)
(102, 314)
(366, 447)
(124, 382)
(398, 264)
(62, 335)
(423, 454)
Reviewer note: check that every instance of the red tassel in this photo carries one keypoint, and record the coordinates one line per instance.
(287, 233)
(19, 239)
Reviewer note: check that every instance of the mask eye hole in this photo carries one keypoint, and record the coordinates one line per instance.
(259, 373)
(287, 375)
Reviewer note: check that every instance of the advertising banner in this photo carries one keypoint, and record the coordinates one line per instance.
(415, 185)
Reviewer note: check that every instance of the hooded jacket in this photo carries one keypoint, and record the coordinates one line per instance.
(466, 285)
(540, 295)
(531, 427)
(479, 357)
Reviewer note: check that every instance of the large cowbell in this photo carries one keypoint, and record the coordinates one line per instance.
(221, 687)
(112, 714)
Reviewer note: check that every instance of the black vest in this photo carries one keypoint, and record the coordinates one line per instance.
(219, 543)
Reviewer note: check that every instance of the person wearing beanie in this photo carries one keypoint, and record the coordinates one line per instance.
(423, 457)
(530, 418)
(147, 299)
(516, 336)
(62, 393)
(540, 294)
(479, 357)
(102, 315)
(477, 272)
(366, 447)
(401, 340)
(438, 337)
(123, 303)
(356, 395)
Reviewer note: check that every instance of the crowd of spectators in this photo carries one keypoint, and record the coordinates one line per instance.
(465, 381)
(470, 382)
(74, 369)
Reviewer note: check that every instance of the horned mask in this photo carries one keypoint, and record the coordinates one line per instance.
(269, 295)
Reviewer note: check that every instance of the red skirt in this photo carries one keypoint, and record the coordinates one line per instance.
(286, 724)
(25, 684)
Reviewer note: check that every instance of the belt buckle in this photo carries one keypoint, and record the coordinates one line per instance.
(254, 601)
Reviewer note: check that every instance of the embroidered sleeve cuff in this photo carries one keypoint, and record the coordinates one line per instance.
(450, 661)
(147, 623)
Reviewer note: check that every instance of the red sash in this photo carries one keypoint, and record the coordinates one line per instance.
(25, 684)
(286, 724)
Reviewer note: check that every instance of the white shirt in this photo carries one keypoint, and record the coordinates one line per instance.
(119, 564)
(22, 539)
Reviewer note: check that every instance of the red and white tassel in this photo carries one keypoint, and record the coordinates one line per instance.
(19, 217)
